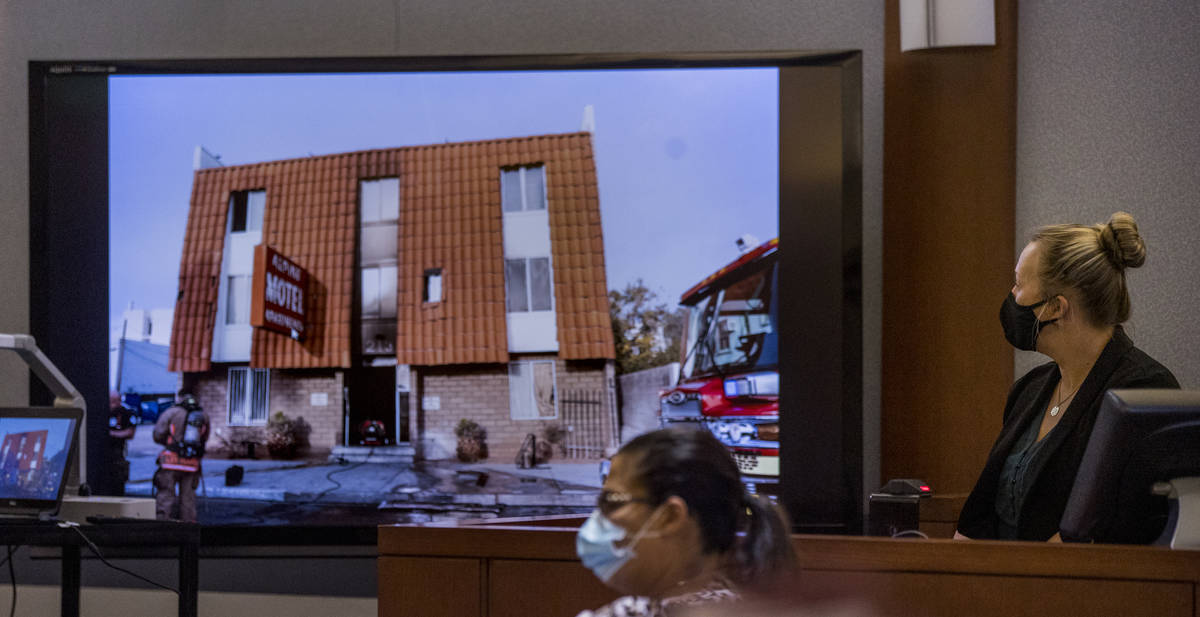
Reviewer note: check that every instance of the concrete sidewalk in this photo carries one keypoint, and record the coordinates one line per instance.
(438, 484)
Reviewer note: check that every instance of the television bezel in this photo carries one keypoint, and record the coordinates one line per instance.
(820, 196)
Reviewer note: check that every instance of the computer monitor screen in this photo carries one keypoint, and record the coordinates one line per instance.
(1141, 437)
(35, 454)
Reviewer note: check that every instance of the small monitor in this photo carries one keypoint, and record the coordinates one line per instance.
(1141, 437)
(37, 447)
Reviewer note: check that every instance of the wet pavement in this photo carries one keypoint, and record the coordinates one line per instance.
(328, 492)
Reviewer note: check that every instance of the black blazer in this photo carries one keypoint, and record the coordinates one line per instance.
(1120, 365)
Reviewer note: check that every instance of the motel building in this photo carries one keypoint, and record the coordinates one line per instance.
(385, 295)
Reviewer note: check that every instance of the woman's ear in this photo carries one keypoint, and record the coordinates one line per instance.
(1055, 308)
(1061, 306)
(675, 515)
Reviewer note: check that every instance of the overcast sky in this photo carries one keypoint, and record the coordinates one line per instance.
(56, 428)
(687, 160)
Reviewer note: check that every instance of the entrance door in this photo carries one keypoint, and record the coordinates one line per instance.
(374, 412)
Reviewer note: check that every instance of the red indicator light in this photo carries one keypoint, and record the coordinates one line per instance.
(924, 489)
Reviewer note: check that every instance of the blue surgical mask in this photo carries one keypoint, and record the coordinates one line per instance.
(596, 545)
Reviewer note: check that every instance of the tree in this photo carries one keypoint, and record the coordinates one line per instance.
(646, 332)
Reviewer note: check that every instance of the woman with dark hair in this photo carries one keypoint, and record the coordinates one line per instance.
(674, 526)
(1068, 301)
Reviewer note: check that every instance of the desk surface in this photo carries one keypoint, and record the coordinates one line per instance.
(149, 533)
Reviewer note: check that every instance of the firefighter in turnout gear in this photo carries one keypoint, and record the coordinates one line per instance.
(121, 426)
(183, 431)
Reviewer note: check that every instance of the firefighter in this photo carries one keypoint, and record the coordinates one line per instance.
(183, 431)
(121, 426)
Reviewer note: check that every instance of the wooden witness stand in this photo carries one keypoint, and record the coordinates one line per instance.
(528, 568)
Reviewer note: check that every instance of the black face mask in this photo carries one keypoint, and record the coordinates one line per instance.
(1020, 323)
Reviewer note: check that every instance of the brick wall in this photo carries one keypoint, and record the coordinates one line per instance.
(290, 392)
(480, 393)
(477, 392)
(212, 390)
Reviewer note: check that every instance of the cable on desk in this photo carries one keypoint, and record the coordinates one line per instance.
(106, 562)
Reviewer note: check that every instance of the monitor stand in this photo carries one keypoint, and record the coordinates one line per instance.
(1183, 519)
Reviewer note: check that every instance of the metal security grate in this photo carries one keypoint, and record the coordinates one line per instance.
(237, 395)
(259, 394)
(249, 395)
(591, 424)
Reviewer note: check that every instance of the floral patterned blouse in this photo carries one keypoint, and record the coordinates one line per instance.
(638, 606)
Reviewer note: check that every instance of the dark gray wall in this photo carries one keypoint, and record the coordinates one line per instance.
(1108, 116)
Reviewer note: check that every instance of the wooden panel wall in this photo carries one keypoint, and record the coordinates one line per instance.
(532, 572)
(527, 588)
(511, 571)
(903, 594)
(948, 253)
(422, 586)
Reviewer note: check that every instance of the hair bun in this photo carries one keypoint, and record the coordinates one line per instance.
(1121, 241)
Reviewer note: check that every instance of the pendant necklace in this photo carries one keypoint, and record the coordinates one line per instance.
(1054, 410)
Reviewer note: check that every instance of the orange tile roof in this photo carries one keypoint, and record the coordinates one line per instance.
(450, 218)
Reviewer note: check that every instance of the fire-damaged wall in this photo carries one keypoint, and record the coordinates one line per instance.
(583, 406)
(481, 393)
(315, 395)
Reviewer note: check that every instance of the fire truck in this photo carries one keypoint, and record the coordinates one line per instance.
(729, 375)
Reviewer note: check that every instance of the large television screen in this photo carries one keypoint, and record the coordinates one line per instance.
(493, 257)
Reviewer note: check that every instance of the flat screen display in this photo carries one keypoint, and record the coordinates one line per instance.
(492, 251)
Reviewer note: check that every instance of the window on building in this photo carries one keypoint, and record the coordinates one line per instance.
(527, 284)
(237, 304)
(249, 395)
(379, 292)
(379, 210)
(523, 188)
(246, 210)
(433, 285)
(379, 200)
(531, 390)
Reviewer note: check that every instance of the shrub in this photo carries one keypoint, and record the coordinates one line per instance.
(286, 436)
(543, 452)
(472, 441)
(555, 434)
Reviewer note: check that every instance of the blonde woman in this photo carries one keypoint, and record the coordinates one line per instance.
(1068, 302)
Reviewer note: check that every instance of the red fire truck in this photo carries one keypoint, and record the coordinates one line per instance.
(729, 377)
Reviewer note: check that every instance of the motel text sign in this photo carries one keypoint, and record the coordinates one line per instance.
(279, 286)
